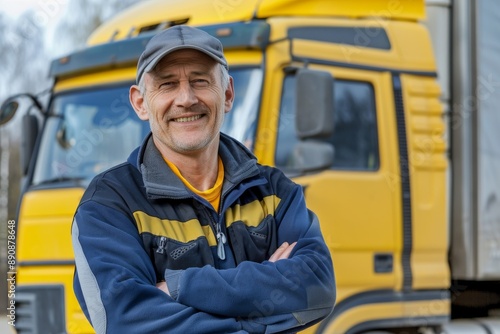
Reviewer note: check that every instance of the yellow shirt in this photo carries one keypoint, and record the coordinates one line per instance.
(213, 194)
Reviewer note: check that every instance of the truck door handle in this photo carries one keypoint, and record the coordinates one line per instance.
(383, 263)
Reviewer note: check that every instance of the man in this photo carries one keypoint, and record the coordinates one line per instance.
(184, 236)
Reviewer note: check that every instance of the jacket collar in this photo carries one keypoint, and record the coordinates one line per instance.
(160, 182)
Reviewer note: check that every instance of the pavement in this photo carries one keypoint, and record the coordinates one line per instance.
(5, 328)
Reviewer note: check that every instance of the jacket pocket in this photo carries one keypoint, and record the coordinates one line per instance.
(253, 243)
(172, 254)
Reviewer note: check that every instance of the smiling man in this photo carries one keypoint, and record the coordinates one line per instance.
(191, 234)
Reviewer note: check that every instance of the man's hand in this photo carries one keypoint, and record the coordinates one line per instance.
(283, 252)
(163, 287)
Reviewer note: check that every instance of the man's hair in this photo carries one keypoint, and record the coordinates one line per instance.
(224, 75)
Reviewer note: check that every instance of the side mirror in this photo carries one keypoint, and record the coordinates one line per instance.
(29, 125)
(310, 156)
(315, 101)
(8, 110)
(11, 105)
(314, 119)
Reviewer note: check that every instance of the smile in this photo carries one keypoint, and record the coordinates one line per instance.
(187, 119)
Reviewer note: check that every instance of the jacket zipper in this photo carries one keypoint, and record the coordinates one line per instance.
(161, 246)
(220, 236)
(221, 240)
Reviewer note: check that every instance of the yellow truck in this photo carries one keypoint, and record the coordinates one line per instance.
(386, 111)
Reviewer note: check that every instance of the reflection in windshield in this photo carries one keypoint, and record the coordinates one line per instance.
(240, 123)
(90, 131)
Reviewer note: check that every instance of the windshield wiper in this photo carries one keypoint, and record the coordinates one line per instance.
(62, 179)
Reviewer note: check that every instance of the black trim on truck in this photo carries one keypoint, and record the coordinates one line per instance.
(383, 297)
(394, 71)
(398, 322)
(46, 263)
(40, 309)
(404, 171)
(367, 37)
(125, 53)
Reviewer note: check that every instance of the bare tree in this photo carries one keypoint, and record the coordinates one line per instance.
(89, 14)
(24, 65)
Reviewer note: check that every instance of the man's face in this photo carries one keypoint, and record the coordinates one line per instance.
(185, 102)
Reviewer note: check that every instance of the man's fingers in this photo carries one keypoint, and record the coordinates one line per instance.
(287, 251)
(283, 252)
(163, 287)
(277, 253)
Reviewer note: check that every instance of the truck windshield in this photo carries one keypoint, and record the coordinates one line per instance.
(91, 130)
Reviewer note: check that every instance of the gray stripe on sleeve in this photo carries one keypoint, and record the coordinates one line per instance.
(88, 283)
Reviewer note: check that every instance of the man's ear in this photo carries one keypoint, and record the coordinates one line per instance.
(138, 103)
(229, 95)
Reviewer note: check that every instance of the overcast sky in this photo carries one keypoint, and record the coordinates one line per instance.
(14, 8)
(47, 15)
(47, 12)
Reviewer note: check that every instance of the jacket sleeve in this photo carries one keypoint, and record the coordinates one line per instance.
(115, 281)
(284, 294)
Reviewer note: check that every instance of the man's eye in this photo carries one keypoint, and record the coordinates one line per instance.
(168, 84)
(199, 83)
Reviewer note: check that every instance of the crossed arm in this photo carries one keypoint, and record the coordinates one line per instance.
(283, 252)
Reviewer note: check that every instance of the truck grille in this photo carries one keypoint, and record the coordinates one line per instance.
(40, 309)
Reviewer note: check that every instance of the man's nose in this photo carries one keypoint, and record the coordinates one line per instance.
(185, 96)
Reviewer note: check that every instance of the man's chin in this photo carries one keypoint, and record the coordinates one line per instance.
(192, 146)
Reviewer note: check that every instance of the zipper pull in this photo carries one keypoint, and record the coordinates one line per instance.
(161, 246)
(221, 240)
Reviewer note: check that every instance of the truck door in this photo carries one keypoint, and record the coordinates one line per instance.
(358, 200)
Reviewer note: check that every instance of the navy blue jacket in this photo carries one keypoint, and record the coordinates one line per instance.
(137, 224)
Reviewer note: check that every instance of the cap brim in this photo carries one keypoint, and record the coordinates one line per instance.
(162, 55)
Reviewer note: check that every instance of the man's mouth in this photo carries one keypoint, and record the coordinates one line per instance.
(187, 119)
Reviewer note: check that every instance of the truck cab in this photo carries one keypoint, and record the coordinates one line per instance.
(342, 96)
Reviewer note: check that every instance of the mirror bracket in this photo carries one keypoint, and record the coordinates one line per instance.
(10, 106)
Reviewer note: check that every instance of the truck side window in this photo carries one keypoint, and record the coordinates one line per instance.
(355, 135)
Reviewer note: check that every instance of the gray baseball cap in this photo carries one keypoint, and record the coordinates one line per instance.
(177, 38)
